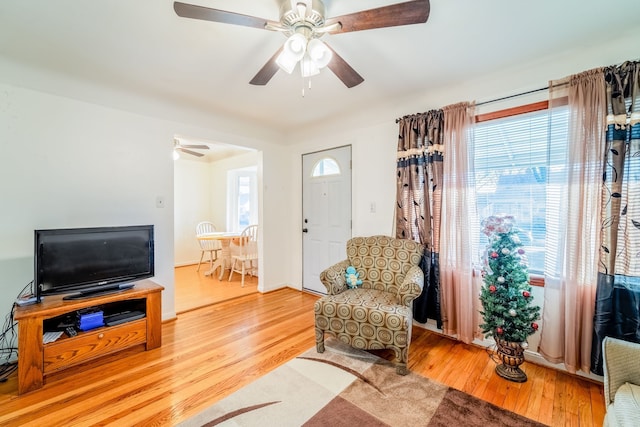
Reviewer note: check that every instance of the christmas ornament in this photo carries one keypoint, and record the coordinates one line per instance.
(534, 325)
(525, 344)
(512, 313)
(492, 288)
(494, 255)
(499, 330)
(500, 279)
(521, 251)
(526, 294)
(505, 251)
(515, 239)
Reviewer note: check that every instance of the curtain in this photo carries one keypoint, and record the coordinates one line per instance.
(573, 218)
(418, 200)
(460, 301)
(617, 311)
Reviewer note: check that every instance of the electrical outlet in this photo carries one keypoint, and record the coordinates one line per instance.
(159, 202)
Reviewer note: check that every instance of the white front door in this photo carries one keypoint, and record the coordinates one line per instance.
(326, 212)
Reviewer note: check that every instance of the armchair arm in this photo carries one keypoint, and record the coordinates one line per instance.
(333, 278)
(411, 286)
(621, 364)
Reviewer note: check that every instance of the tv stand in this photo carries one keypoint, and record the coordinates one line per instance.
(37, 360)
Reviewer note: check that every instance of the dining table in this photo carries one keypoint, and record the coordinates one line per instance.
(224, 260)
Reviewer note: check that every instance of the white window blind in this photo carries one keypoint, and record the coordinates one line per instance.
(518, 164)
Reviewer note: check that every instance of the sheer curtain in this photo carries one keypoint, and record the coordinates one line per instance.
(574, 216)
(418, 200)
(617, 311)
(460, 302)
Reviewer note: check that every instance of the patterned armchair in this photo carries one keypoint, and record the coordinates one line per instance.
(377, 314)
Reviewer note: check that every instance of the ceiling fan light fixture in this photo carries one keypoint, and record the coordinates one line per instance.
(286, 62)
(308, 67)
(296, 46)
(292, 52)
(319, 53)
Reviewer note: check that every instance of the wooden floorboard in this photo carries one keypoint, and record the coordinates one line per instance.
(210, 352)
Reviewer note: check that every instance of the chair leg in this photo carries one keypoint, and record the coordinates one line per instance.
(319, 340)
(401, 369)
(401, 360)
(243, 273)
(233, 267)
(200, 262)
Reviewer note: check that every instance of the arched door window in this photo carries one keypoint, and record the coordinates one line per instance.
(326, 166)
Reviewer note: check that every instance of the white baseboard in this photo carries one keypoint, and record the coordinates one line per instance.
(184, 264)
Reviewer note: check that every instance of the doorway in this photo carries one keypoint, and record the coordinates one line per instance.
(202, 193)
(326, 212)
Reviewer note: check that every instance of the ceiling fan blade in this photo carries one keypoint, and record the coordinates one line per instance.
(344, 71)
(196, 146)
(267, 71)
(411, 12)
(193, 153)
(185, 10)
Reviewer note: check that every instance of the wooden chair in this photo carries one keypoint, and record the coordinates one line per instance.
(245, 255)
(207, 246)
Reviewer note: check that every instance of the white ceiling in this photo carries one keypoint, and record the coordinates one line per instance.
(143, 47)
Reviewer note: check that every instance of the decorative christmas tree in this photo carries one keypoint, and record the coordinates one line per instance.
(507, 310)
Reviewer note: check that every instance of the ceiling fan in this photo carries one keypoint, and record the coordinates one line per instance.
(303, 22)
(188, 148)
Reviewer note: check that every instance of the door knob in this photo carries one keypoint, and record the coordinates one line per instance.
(305, 230)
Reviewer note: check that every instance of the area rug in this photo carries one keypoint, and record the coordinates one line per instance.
(348, 387)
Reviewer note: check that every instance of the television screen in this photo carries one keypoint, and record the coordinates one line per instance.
(92, 259)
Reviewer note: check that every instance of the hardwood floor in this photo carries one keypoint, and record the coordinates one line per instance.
(195, 290)
(210, 352)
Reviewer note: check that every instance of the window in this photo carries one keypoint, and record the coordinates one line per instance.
(242, 206)
(517, 160)
(326, 166)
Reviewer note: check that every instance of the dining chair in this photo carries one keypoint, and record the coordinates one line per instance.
(207, 246)
(245, 255)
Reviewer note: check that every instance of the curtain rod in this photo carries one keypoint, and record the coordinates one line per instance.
(540, 89)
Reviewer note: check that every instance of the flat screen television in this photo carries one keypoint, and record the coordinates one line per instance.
(85, 262)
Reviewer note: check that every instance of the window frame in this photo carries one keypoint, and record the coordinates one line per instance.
(233, 177)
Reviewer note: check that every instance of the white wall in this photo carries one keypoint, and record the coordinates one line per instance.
(193, 192)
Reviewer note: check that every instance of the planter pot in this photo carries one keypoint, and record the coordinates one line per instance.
(511, 355)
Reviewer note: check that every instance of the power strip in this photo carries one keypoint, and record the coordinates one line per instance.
(26, 300)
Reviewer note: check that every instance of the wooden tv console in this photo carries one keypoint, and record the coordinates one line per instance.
(36, 360)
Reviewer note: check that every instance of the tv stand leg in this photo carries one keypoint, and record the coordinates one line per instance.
(30, 369)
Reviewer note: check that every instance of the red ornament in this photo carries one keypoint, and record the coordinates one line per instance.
(499, 330)
(534, 325)
(526, 294)
(492, 289)
(494, 255)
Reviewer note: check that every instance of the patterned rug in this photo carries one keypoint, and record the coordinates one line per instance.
(348, 387)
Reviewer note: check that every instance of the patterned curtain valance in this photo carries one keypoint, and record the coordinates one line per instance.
(420, 135)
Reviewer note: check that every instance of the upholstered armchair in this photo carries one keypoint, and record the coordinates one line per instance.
(378, 313)
(621, 382)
